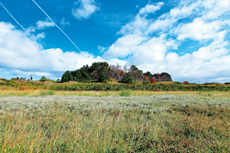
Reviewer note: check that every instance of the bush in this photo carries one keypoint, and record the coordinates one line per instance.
(185, 82)
(111, 79)
(127, 78)
(153, 81)
(43, 93)
(102, 77)
(146, 82)
(125, 93)
(3, 79)
(176, 82)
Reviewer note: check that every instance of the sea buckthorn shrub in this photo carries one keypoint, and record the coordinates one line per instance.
(185, 82)
(153, 81)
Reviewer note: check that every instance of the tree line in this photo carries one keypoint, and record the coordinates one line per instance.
(102, 72)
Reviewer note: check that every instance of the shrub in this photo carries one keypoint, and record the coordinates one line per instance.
(176, 82)
(125, 93)
(153, 81)
(111, 79)
(3, 79)
(185, 82)
(102, 77)
(43, 93)
(146, 78)
(127, 78)
(146, 82)
(43, 79)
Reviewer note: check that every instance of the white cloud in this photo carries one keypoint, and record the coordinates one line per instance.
(199, 29)
(86, 9)
(151, 8)
(116, 61)
(40, 35)
(204, 21)
(23, 54)
(101, 48)
(124, 46)
(44, 24)
(140, 24)
(28, 73)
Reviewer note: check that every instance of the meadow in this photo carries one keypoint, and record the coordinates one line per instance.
(114, 121)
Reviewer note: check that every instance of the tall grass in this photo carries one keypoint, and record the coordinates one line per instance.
(159, 123)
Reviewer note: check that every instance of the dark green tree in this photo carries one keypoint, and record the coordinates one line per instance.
(85, 73)
(136, 73)
(77, 76)
(98, 68)
(67, 76)
(127, 78)
(166, 76)
(102, 77)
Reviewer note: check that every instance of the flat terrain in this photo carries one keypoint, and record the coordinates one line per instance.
(111, 93)
(54, 121)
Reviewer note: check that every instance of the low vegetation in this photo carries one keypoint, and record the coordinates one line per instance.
(112, 86)
(157, 123)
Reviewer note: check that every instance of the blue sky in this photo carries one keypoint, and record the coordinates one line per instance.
(189, 39)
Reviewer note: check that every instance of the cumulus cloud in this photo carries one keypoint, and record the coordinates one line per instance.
(151, 8)
(152, 44)
(22, 54)
(199, 29)
(45, 24)
(124, 46)
(140, 23)
(86, 9)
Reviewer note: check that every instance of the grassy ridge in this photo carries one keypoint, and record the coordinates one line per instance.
(159, 123)
(162, 86)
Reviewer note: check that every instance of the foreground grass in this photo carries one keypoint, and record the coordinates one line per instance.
(159, 123)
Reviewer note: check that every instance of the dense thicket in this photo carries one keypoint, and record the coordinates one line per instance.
(102, 71)
(97, 71)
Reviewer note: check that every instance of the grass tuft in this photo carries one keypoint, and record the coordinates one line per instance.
(125, 93)
(43, 93)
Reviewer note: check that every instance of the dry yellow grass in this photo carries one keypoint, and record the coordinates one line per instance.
(113, 93)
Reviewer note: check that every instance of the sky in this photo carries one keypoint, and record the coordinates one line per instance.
(189, 39)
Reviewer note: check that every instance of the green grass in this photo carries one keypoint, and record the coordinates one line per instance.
(158, 123)
(125, 93)
(43, 93)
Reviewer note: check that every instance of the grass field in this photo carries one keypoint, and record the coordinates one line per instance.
(110, 93)
(128, 121)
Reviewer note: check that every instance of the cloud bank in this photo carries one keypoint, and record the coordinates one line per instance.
(152, 43)
(22, 54)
